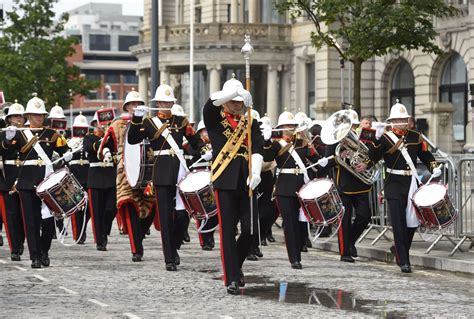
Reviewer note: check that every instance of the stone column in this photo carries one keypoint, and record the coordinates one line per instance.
(272, 92)
(440, 120)
(164, 75)
(234, 11)
(143, 84)
(253, 11)
(214, 78)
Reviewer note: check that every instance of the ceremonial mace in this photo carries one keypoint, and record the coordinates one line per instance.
(247, 51)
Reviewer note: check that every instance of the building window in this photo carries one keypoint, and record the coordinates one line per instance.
(103, 26)
(92, 95)
(269, 13)
(93, 76)
(198, 14)
(130, 79)
(228, 13)
(116, 27)
(99, 42)
(453, 89)
(112, 78)
(403, 87)
(310, 89)
(126, 41)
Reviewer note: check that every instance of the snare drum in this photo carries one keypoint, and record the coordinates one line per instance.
(198, 195)
(433, 206)
(62, 193)
(320, 202)
(138, 162)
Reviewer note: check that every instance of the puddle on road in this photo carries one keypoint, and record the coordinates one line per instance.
(300, 293)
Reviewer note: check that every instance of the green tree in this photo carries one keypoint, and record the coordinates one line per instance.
(369, 28)
(33, 55)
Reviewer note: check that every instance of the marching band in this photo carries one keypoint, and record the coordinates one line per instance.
(228, 171)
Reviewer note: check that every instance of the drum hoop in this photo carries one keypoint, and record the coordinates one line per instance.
(141, 171)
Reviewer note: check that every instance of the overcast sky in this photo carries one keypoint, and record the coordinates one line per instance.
(129, 7)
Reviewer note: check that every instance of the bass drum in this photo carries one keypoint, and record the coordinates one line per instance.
(138, 162)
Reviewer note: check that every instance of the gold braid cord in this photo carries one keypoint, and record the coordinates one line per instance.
(230, 149)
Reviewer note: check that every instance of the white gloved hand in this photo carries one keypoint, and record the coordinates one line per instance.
(107, 155)
(67, 156)
(379, 129)
(244, 94)
(10, 132)
(207, 156)
(141, 110)
(267, 133)
(436, 172)
(323, 162)
(255, 179)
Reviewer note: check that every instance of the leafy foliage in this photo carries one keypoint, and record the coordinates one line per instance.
(33, 55)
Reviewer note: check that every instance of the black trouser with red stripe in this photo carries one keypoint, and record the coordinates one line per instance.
(78, 221)
(207, 237)
(39, 232)
(234, 206)
(11, 215)
(289, 209)
(166, 205)
(402, 235)
(136, 226)
(181, 223)
(102, 207)
(348, 233)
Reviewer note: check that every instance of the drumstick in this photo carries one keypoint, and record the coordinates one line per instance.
(61, 158)
(432, 175)
(317, 163)
(23, 129)
(196, 162)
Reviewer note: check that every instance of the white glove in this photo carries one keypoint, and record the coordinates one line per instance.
(436, 172)
(379, 129)
(323, 162)
(141, 110)
(244, 94)
(10, 132)
(207, 156)
(267, 133)
(222, 97)
(107, 155)
(255, 179)
(67, 156)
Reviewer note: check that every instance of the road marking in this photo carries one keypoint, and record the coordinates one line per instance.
(131, 315)
(225, 317)
(97, 302)
(69, 291)
(20, 268)
(3, 261)
(41, 278)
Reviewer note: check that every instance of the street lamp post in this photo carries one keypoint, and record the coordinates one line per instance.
(109, 94)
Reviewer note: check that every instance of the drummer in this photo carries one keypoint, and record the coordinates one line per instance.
(79, 167)
(101, 181)
(36, 148)
(12, 217)
(136, 209)
(400, 147)
(165, 132)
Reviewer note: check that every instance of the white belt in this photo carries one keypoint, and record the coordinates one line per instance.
(188, 157)
(399, 172)
(12, 162)
(36, 162)
(101, 164)
(167, 152)
(295, 171)
(78, 162)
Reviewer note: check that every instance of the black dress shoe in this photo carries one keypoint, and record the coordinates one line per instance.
(296, 265)
(233, 288)
(36, 263)
(1, 240)
(171, 267)
(213, 243)
(137, 257)
(347, 259)
(101, 247)
(44, 259)
(15, 257)
(264, 242)
(22, 248)
(186, 237)
(353, 251)
(82, 240)
(393, 250)
(207, 247)
(177, 260)
(148, 232)
(270, 238)
(405, 268)
(304, 248)
(258, 252)
(309, 244)
(241, 278)
(252, 257)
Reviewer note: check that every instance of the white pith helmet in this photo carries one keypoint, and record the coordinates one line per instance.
(266, 122)
(164, 93)
(80, 121)
(132, 96)
(95, 118)
(229, 86)
(255, 115)
(300, 117)
(56, 112)
(200, 126)
(35, 106)
(177, 109)
(286, 118)
(354, 117)
(15, 109)
(398, 111)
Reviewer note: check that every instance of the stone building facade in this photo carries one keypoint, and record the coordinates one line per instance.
(288, 73)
